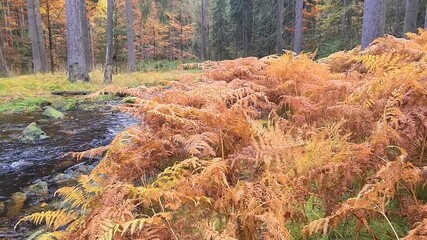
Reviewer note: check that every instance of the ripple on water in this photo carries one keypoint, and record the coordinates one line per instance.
(21, 163)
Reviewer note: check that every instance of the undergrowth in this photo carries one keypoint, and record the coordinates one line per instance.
(265, 149)
(28, 93)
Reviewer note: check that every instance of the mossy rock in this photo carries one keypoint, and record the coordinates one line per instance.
(33, 132)
(64, 105)
(53, 113)
(40, 188)
(129, 100)
(16, 204)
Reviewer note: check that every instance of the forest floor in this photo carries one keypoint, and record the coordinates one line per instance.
(31, 92)
(274, 148)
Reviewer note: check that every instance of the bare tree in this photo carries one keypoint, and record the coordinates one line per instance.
(373, 21)
(130, 37)
(108, 71)
(77, 65)
(411, 13)
(299, 26)
(279, 26)
(37, 39)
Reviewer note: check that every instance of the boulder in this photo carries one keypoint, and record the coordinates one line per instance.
(53, 113)
(40, 188)
(1, 208)
(64, 105)
(16, 204)
(33, 132)
(62, 180)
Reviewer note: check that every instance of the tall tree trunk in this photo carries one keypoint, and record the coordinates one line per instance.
(411, 13)
(248, 21)
(50, 35)
(346, 17)
(130, 37)
(37, 39)
(373, 21)
(203, 41)
(425, 20)
(76, 57)
(108, 71)
(85, 34)
(279, 26)
(299, 26)
(4, 69)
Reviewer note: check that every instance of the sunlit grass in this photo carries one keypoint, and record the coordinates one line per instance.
(25, 93)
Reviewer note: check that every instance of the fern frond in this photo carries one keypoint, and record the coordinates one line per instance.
(74, 196)
(53, 219)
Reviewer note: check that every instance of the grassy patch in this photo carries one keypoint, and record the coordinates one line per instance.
(29, 92)
(162, 65)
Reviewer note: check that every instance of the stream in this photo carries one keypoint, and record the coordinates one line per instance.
(21, 163)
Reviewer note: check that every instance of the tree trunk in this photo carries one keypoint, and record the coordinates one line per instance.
(76, 57)
(373, 21)
(203, 31)
(37, 40)
(248, 21)
(130, 37)
(425, 20)
(85, 34)
(411, 13)
(279, 27)
(4, 69)
(108, 71)
(49, 29)
(299, 26)
(346, 17)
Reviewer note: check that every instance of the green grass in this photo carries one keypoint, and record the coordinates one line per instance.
(162, 65)
(30, 92)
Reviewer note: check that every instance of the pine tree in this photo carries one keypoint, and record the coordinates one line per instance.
(220, 33)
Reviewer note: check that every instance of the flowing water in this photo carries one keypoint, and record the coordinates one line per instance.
(23, 162)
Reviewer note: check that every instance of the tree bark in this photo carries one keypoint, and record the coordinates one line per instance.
(4, 69)
(203, 37)
(85, 34)
(37, 39)
(130, 37)
(411, 13)
(50, 37)
(299, 26)
(373, 21)
(108, 71)
(346, 17)
(76, 57)
(425, 20)
(279, 27)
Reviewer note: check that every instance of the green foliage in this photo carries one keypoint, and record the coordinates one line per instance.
(161, 65)
(220, 30)
(24, 105)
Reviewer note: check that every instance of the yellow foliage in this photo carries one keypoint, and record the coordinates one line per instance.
(238, 154)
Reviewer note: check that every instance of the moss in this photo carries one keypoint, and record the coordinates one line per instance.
(24, 105)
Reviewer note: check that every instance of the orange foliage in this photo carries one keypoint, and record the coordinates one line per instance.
(239, 154)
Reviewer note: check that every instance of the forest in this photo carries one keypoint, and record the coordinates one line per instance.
(213, 119)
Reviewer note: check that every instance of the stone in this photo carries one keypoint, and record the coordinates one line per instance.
(53, 113)
(1, 208)
(62, 180)
(33, 132)
(16, 204)
(63, 105)
(40, 188)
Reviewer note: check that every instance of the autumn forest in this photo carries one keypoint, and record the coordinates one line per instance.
(213, 119)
